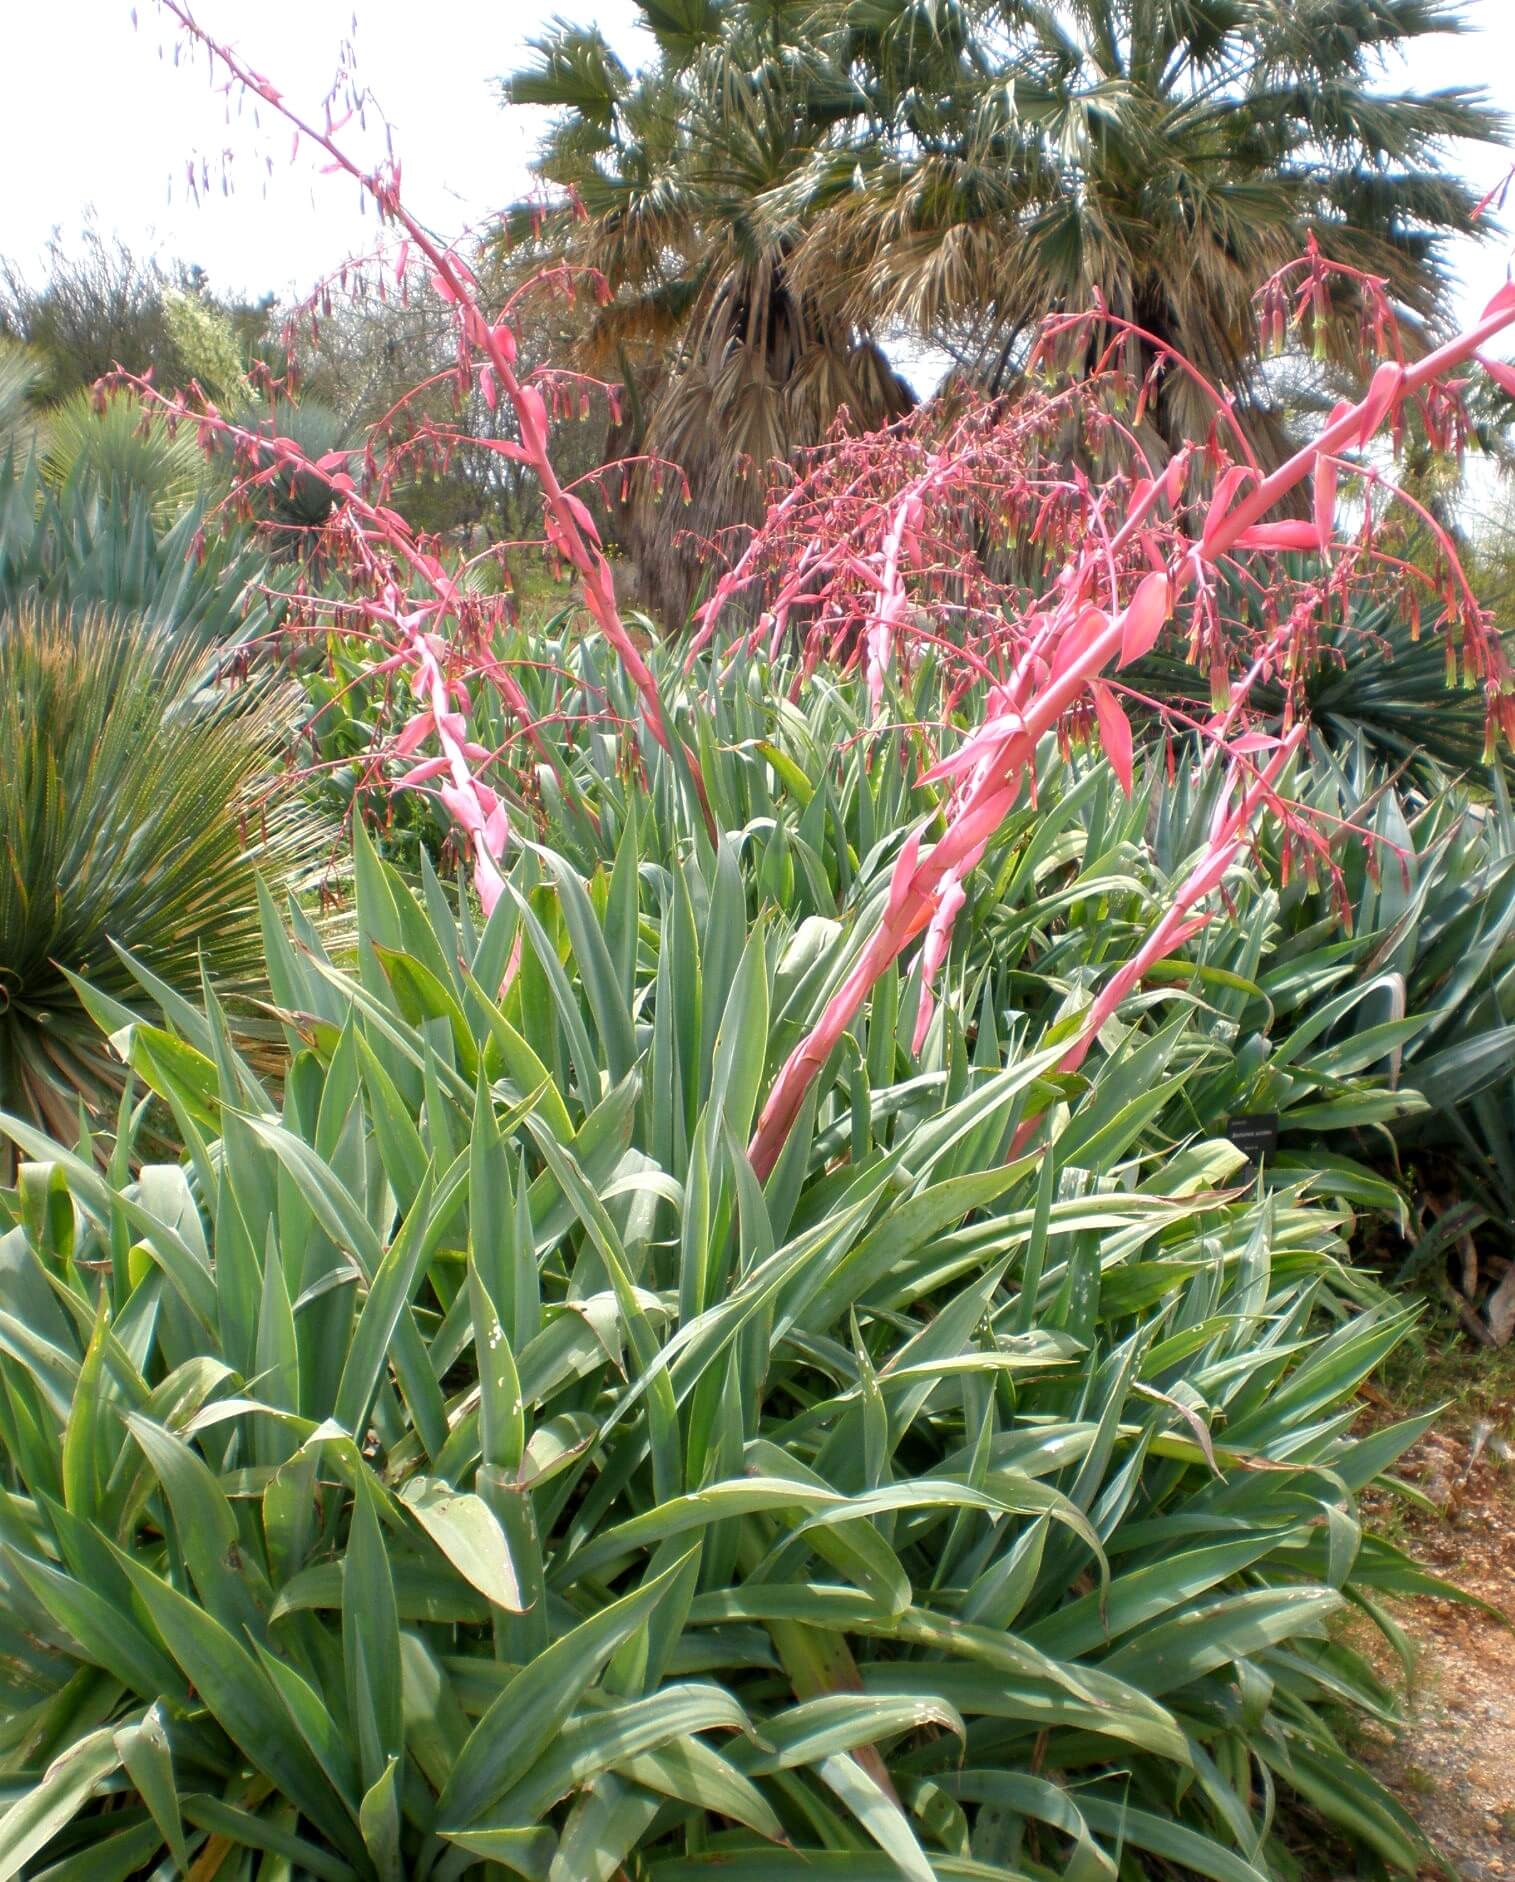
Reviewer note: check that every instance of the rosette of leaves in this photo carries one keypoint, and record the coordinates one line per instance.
(294, 504)
(1380, 676)
(136, 815)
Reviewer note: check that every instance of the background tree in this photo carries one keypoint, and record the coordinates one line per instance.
(664, 181)
(364, 360)
(779, 184)
(1010, 160)
(99, 305)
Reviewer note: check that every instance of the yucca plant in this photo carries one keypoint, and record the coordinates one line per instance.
(135, 816)
(121, 447)
(459, 1462)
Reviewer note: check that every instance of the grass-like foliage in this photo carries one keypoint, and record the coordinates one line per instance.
(457, 1462)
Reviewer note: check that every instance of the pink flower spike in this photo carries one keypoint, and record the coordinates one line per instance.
(989, 738)
(968, 835)
(580, 513)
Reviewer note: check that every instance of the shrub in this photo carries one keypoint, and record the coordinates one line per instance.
(458, 1461)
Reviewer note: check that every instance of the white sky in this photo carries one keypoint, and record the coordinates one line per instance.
(93, 114)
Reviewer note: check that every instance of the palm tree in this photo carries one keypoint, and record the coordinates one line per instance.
(1015, 158)
(670, 176)
(784, 181)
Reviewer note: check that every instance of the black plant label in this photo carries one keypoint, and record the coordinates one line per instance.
(1255, 1133)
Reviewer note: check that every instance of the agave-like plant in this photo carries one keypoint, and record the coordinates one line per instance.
(458, 1460)
(135, 817)
(95, 545)
(1393, 1028)
(293, 505)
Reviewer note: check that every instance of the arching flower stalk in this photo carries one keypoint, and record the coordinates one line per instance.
(1063, 646)
(487, 347)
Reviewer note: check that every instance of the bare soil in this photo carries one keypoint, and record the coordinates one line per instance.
(1453, 1763)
